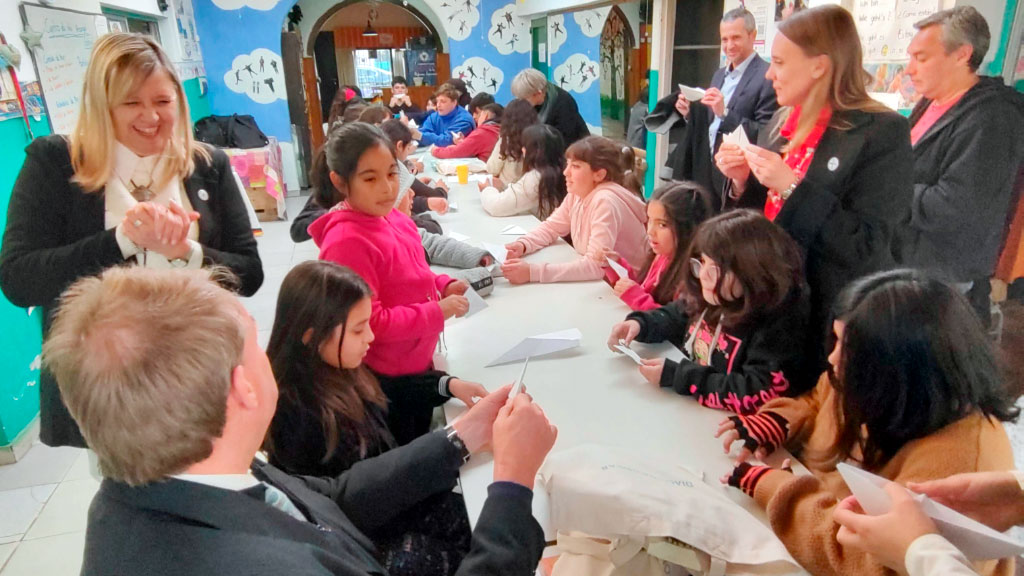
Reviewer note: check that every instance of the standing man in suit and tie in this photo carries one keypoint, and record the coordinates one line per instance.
(739, 96)
(162, 372)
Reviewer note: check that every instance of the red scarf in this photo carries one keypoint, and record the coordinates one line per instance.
(798, 159)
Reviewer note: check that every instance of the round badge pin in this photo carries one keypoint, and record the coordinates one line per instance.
(204, 195)
(833, 164)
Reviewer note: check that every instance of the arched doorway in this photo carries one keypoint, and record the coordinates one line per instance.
(617, 42)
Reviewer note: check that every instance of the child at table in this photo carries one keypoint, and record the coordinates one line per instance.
(506, 160)
(741, 319)
(542, 188)
(599, 214)
(426, 197)
(331, 412)
(673, 214)
(480, 141)
(914, 394)
(410, 302)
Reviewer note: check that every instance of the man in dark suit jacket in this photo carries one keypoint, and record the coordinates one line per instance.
(739, 95)
(163, 373)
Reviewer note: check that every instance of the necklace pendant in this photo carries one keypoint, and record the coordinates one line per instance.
(142, 193)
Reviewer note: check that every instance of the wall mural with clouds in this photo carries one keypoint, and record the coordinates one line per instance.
(242, 53)
(574, 48)
(488, 43)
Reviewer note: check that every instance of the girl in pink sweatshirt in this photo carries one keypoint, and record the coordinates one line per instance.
(598, 214)
(673, 214)
(410, 303)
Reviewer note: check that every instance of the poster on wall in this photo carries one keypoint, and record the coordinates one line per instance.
(886, 27)
(422, 66)
(185, 20)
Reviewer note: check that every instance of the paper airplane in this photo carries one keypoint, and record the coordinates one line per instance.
(619, 268)
(737, 137)
(975, 540)
(540, 345)
(476, 303)
(513, 230)
(456, 236)
(691, 94)
(629, 352)
(496, 250)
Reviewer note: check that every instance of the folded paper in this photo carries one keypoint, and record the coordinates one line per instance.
(540, 345)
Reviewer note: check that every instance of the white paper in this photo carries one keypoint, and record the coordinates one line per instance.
(540, 345)
(890, 100)
(513, 230)
(975, 540)
(629, 352)
(737, 137)
(497, 250)
(476, 302)
(448, 167)
(453, 206)
(517, 386)
(456, 236)
(619, 268)
(691, 94)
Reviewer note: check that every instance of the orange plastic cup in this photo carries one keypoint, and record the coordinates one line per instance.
(462, 171)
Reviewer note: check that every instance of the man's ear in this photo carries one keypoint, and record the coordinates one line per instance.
(242, 390)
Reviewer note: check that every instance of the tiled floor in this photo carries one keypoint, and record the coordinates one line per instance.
(44, 497)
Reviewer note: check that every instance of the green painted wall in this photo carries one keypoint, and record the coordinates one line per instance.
(198, 105)
(20, 339)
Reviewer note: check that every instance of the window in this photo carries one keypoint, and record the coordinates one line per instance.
(373, 70)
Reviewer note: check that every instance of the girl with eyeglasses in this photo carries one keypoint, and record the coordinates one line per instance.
(741, 318)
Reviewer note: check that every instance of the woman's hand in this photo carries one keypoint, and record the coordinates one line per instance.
(732, 163)
(466, 391)
(516, 271)
(515, 250)
(769, 168)
(887, 536)
(162, 229)
(622, 286)
(992, 498)
(626, 331)
(652, 369)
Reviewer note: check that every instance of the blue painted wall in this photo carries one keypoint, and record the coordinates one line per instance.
(576, 49)
(230, 39)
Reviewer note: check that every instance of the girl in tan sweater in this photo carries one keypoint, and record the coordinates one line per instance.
(914, 394)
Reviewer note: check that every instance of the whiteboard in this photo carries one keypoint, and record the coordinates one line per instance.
(886, 27)
(61, 60)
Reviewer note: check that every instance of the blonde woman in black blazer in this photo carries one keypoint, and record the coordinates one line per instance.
(128, 187)
(843, 203)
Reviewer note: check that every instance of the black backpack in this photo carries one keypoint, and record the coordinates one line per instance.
(235, 131)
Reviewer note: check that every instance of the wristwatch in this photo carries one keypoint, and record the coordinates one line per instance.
(453, 436)
(184, 260)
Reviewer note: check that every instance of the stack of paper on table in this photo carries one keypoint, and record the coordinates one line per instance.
(472, 178)
(975, 540)
(540, 345)
(448, 167)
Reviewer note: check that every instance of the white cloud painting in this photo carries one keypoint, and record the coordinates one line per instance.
(457, 16)
(591, 22)
(556, 33)
(509, 33)
(479, 75)
(577, 73)
(258, 75)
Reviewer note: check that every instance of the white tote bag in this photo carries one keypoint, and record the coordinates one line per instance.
(612, 492)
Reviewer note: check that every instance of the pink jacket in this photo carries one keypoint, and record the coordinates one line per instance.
(388, 254)
(640, 297)
(479, 144)
(609, 218)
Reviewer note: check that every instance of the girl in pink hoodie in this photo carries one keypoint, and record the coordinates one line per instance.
(599, 215)
(673, 214)
(410, 303)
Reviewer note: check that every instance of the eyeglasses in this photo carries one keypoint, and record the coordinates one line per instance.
(713, 270)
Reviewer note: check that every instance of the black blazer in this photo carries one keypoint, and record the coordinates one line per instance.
(561, 112)
(182, 528)
(844, 213)
(55, 235)
(751, 106)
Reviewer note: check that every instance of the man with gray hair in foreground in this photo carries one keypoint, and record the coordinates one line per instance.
(968, 147)
(163, 373)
